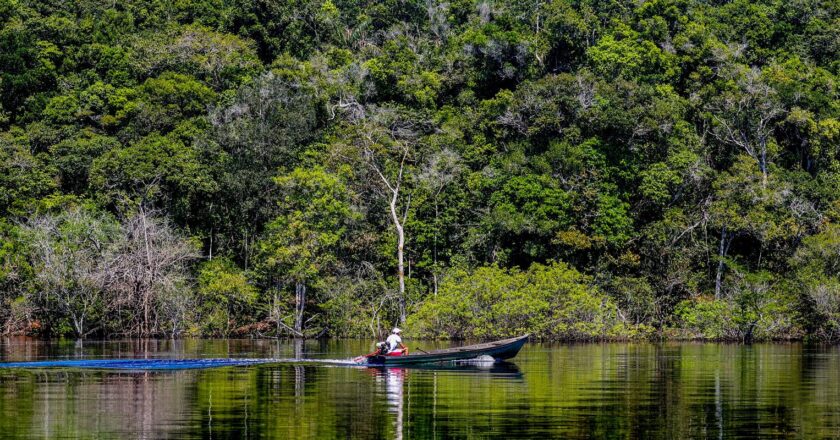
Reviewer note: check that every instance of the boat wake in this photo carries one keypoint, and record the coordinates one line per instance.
(166, 364)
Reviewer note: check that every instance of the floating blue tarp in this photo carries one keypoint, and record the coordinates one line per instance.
(165, 364)
(138, 364)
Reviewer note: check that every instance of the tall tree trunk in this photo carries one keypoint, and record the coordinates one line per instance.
(401, 272)
(275, 310)
(398, 225)
(150, 273)
(79, 324)
(725, 240)
(146, 315)
(762, 163)
(400, 258)
(300, 302)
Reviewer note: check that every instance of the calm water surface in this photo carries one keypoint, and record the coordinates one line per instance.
(648, 391)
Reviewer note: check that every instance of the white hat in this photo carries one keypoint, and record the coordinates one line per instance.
(395, 330)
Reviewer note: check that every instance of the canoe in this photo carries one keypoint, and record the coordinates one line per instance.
(498, 350)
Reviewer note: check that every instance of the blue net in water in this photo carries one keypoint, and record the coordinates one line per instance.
(138, 364)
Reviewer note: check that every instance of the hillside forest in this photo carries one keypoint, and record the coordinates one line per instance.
(577, 169)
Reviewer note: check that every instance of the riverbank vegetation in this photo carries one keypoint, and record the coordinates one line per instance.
(576, 169)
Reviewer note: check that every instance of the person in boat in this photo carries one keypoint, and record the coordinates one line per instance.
(394, 341)
(381, 348)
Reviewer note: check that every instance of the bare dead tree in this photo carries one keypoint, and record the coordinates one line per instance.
(387, 147)
(147, 262)
(394, 185)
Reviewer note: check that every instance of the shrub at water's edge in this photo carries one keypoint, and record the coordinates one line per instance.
(557, 302)
(553, 301)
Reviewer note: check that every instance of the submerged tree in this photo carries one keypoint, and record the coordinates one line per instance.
(67, 253)
(146, 264)
(301, 244)
(226, 296)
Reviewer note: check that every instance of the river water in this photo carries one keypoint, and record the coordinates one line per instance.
(644, 391)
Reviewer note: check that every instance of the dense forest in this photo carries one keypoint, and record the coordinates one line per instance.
(578, 169)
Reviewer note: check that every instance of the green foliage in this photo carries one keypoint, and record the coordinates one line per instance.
(817, 263)
(300, 246)
(530, 204)
(657, 183)
(314, 211)
(24, 177)
(398, 72)
(663, 153)
(352, 307)
(156, 170)
(707, 318)
(218, 59)
(162, 102)
(548, 301)
(746, 204)
(623, 53)
(74, 157)
(755, 308)
(15, 270)
(613, 223)
(226, 296)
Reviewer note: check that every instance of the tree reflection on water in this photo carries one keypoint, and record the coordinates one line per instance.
(394, 382)
(566, 391)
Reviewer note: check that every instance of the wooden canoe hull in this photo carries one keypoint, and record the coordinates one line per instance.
(499, 350)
